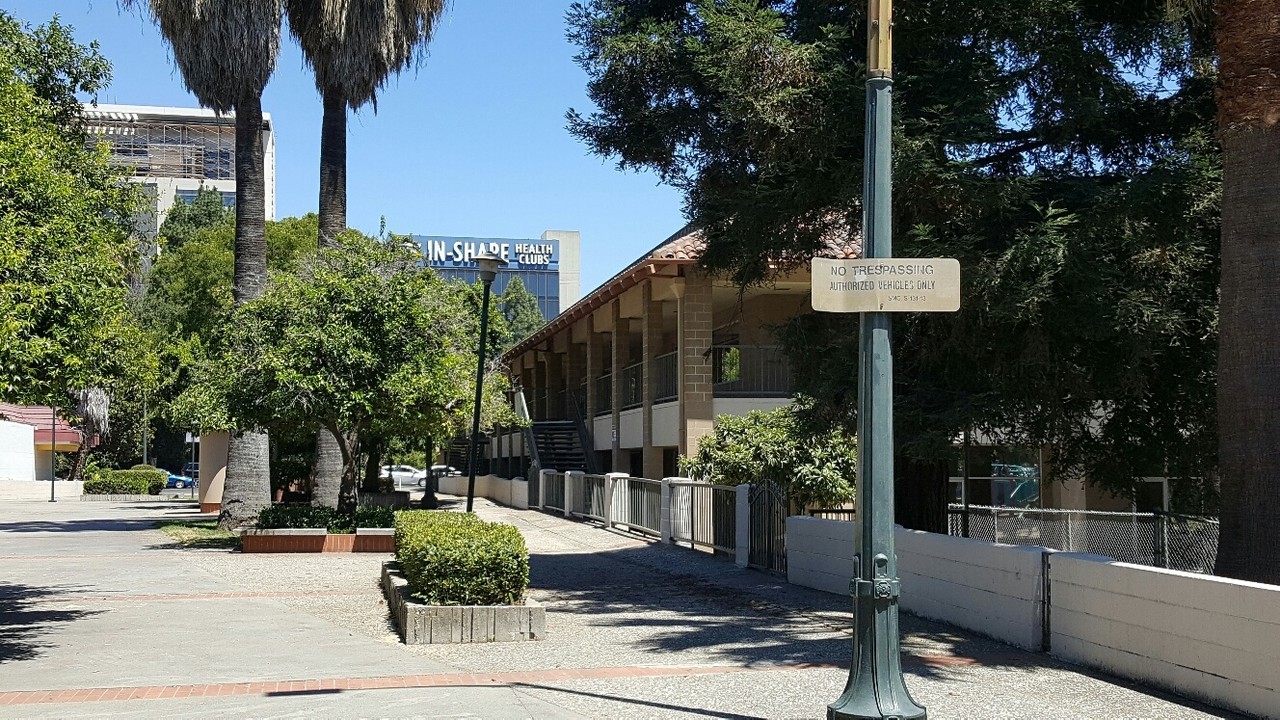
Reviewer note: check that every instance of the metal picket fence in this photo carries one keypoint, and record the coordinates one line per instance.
(637, 504)
(590, 501)
(553, 493)
(1166, 540)
(769, 507)
(704, 515)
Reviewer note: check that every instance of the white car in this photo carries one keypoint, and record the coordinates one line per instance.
(403, 474)
(440, 471)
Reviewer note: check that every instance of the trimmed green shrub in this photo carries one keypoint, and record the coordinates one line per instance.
(144, 466)
(301, 515)
(296, 515)
(126, 482)
(457, 559)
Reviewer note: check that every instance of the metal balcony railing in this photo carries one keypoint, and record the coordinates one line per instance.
(666, 378)
(604, 395)
(632, 389)
(749, 371)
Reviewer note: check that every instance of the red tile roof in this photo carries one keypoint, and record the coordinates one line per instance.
(684, 247)
(41, 418)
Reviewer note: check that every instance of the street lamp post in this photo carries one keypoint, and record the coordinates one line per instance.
(489, 264)
(53, 459)
(875, 688)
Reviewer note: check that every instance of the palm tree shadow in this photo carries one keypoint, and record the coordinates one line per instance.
(28, 615)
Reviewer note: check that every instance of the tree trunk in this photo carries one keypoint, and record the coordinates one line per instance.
(78, 463)
(333, 220)
(920, 494)
(328, 474)
(1249, 309)
(333, 169)
(248, 459)
(372, 481)
(247, 488)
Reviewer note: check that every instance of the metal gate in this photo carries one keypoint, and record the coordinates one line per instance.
(768, 509)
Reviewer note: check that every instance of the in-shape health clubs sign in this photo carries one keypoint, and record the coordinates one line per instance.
(886, 285)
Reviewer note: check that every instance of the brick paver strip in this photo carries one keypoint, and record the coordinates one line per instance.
(125, 597)
(284, 687)
(523, 677)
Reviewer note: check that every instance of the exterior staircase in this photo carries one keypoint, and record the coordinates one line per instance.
(559, 446)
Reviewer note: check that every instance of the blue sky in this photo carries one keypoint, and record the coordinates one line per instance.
(471, 144)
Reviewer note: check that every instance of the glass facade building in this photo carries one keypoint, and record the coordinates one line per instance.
(548, 266)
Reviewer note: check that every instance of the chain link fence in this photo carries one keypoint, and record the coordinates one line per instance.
(1168, 540)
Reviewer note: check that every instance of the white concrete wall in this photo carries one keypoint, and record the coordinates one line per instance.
(1211, 638)
(666, 424)
(996, 590)
(602, 432)
(28, 491)
(17, 451)
(631, 428)
(743, 405)
(498, 489)
(820, 553)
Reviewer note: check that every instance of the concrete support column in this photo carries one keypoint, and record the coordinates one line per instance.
(555, 386)
(618, 362)
(651, 339)
(696, 401)
(610, 487)
(572, 492)
(664, 510)
(593, 371)
(213, 469)
(742, 526)
(544, 476)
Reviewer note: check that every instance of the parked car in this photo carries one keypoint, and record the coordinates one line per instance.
(439, 471)
(192, 470)
(402, 474)
(179, 481)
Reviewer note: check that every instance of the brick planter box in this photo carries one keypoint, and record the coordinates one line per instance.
(316, 540)
(421, 624)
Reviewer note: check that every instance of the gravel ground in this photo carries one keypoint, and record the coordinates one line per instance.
(619, 600)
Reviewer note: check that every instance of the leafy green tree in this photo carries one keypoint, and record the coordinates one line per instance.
(1064, 153)
(56, 68)
(815, 468)
(360, 341)
(520, 309)
(65, 324)
(185, 219)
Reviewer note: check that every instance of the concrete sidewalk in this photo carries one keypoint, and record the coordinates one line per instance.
(101, 617)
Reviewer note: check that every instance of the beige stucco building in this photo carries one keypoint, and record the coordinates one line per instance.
(644, 364)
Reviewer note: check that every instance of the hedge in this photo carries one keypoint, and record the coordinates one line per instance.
(126, 482)
(301, 515)
(456, 559)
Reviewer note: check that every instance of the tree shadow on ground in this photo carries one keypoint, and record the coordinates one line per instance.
(674, 600)
(26, 620)
(79, 525)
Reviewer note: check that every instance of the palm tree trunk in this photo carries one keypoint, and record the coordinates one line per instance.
(1249, 306)
(333, 169)
(247, 488)
(328, 480)
(333, 220)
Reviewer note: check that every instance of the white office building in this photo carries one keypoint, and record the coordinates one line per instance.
(176, 152)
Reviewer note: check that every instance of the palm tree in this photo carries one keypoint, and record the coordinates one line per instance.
(1249, 307)
(226, 51)
(1248, 98)
(354, 46)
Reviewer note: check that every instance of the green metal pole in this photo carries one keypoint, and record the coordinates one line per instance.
(473, 447)
(875, 688)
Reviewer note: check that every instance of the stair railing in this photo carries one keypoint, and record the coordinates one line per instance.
(584, 438)
(522, 411)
